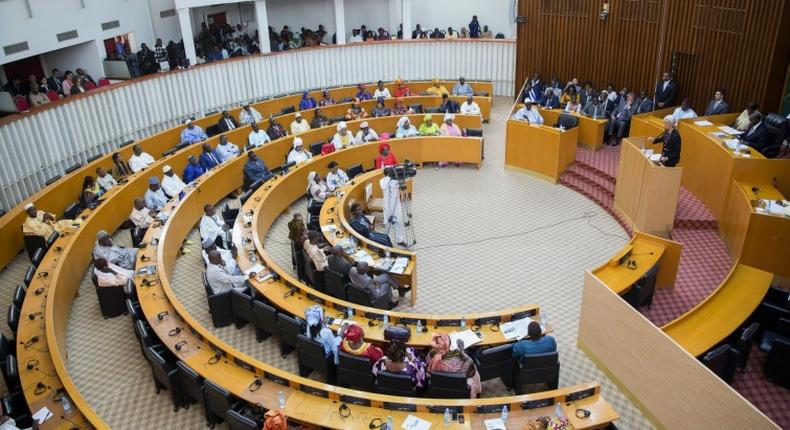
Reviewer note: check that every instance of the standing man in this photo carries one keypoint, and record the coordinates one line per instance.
(666, 90)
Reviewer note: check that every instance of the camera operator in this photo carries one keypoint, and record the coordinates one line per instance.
(393, 208)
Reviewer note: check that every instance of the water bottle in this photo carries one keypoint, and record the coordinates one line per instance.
(504, 414)
(562, 128)
(419, 326)
(446, 416)
(281, 398)
(463, 322)
(66, 404)
(558, 411)
(386, 320)
(349, 313)
(390, 426)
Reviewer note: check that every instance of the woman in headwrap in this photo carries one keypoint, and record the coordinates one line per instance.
(307, 101)
(343, 137)
(356, 111)
(380, 109)
(385, 157)
(362, 94)
(402, 90)
(404, 360)
(91, 191)
(327, 100)
(405, 129)
(110, 275)
(298, 153)
(449, 128)
(117, 255)
(275, 420)
(317, 331)
(437, 89)
(442, 359)
(428, 127)
(398, 108)
(354, 343)
(316, 187)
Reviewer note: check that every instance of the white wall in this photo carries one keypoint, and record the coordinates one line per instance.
(85, 55)
(51, 17)
(165, 28)
(304, 13)
(373, 13)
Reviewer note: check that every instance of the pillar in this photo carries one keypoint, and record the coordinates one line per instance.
(186, 34)
(406, 19)
(340, 22)
(262, 19)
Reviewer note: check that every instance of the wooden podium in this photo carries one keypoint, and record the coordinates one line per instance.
(539, 150)
(646, 193)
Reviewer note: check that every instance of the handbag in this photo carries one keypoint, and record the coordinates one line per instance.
(327, 148)
(397, 332)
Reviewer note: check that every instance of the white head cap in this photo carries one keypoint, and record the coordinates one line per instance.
(341, 125)
(297, 142)
(167, 169)
(28, 206)
(364, 124)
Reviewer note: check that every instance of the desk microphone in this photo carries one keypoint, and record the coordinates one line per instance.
(642, 253)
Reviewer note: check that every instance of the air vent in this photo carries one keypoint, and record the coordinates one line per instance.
(15, 48)
(110, 25)
(167, 13)
(68, 35)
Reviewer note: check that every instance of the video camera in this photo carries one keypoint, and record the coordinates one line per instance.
(403, 171)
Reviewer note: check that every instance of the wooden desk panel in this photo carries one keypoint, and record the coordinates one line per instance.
(540, 150)
(646, 250)
(649, 123)
(591, 131)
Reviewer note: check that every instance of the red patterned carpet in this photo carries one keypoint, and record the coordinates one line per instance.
(704, 264)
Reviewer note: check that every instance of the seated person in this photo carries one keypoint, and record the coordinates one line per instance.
(338, 262)
(315, 250)
(226, 122)
(249, 115)
(228, 257)
(275, 130)
(380, 109)
(172, 185)
(213, 228)
(757, 136)
(620, 119)
(104, 179)
(307, 101)
(469, 107)
(529, 113)
(531, 93)
(36, 97)
(550, 99)
(684, 111)
(117, 255)
(644, 103)
(607, 103)
(573, 106)
(743, 122)
(320, 120)
(535, 342)
(225, 149)
(192, 133)
(139, 159)
(398, 108)
(327, 99)
(43, 224)
(344, 137)
(299, 125)
(428, 127)
(141, 216)
(155, 198)
(462, 88)
(257, 136)
(354, 344)
(356, 111)
(569, 95)
(193, 170)
(449, 128)
(336, 177)
(296, 227)
(594, 109)
(209, 158)
(381, 92)
(366, 134)
(436, 88)
(298, 153)
(386, 157)
(401, 90)
(402, 360)
(717, 106)
(670, 153)
(220, 278)
(91, 191)
(255, 169)
(448, 105)
(379, 286)
(362, 225)
(317, 187)
(362, 93)
(111, 275)
(442, 359)
(317, 331)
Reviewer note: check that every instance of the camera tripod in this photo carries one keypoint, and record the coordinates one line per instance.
(404, 216)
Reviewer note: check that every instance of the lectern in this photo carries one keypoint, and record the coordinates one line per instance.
(540, 150)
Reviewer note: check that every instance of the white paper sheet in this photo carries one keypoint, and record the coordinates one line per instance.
(468, 337)
(42, 415)
(729, 130)
(655, 157)
(414, 423)
(514, 330)
(329, 228)
(399, 266)
(703, 123)
(495, 424)
(731, 143)
(255, 268)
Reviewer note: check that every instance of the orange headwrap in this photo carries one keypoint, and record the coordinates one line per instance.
(275, 420)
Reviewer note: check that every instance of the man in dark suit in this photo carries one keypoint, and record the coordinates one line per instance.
(537, 83)
(644, 103)
(550, 100)
(449, 105)
(717, 106)
(757, 136)
(338, 262)
(227, 122)
(666, 91)
(208, 158)
(620, 119)
(670, 152)
(594, 109)
(54, 82)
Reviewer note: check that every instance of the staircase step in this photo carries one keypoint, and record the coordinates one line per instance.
(693, 214)
(591, 176)
(603, 161)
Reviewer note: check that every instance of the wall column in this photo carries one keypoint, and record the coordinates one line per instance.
(406, 19)
(262, 18)
(340, 22)
(186, 33)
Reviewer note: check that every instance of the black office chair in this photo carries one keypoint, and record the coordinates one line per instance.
(311, 357)
(16, 407)
(435, 109)
(445, 385)
(72, 211)
(192, 386)
(19, 296)
(144, 336)
(29, 275)
(641, 293)
(315, 148)
(335, 283)
(229, 215)
(165, 375)
(12, 318)
(94, 158)
(112, 300)
(290, 329)
(130, 291)
(134, 310)
(354, 372)
(567, 121)
(743, 346)
(417, 108)
(237, 421)
(336, 119)
(474, 132)
(52, 180)
(354, 170)
(137, 234)
(241, 306)
(346, 100)
(537, 369)
(213, 130)
(38, 256)
(265, 320)
(481, 94)
(779, 331)
(776, 369)
(218, 402)
(287, 110)
(173, 150)
(363, 297)
(395, 384)
(315, 278)
(219, 305)
(73, 168)
(12, 374)
(127, 143)
(33, 243)
(496, 362)
(777, 127)
(722, 361)
(7, 347)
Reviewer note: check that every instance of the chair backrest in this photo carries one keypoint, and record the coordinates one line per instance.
(315, 148)
(12, 373)
(133, 310)
(237, 421)
(395, 384)
(543, 360)
(354, 371)
(90, 86)
(191, 382)
(474, 132)
(309, 268)
(417, 107)
(290, 329)
(287, 110)
(72, 211)
(335, 283)
(496, 355)
(648, 282)
(31, 272)
(52, 96)
(435, 109)
(146, 338)
(265, 318)
(777, 127)
(567, 121)
(21, 103)
(776, 368)
(357, 295)
(33, 243)
(311, 354)
(6, 348)
(159, 366)
(52, 238)
(94, 157)
(73, 168)
(103, 82)
(12, 318)
(354, 170)
(717, 359)
(218, 399)
(744, 344)
(38, 256)
(448, 385)
(52, 180)
(241, 303)
(19, 296)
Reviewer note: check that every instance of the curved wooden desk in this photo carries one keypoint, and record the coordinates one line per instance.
(591, 131)
(649, 123)
(646, 251)
(58, 195)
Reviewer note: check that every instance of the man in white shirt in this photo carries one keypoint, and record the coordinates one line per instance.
(355, 36)
(225, 149)
(684, 111)
(154, 197)
(298, 154)
(299, 125)
(104, 179)
(366, 134)
(344, 137)
(249, 115)
(139, 160)
(141, 216)
(528, 113)
(336, 177)
(257, 136)
(228, 258)
(469, 107)
(213, 228)
(381, 91)
(172, 185)
(220, 278)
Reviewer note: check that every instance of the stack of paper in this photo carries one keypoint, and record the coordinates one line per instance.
(42, 415)
(655, 157)
(255, 268)
(514, 330)
(729, 130)
(384, 264)
(362, 255)
(400, 265)
(414, 423)
(731, 143)
(772, 207)
(703, 123)
(468, 337)
(495, 424)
